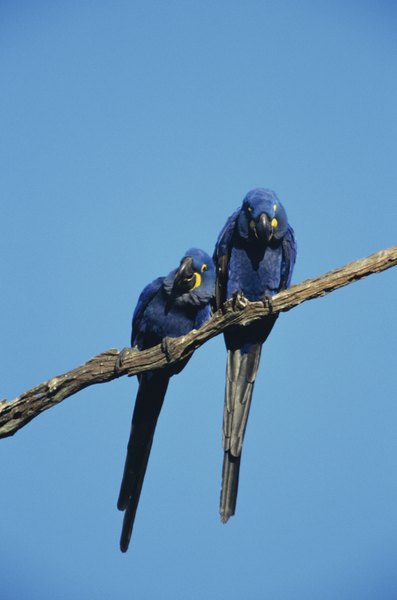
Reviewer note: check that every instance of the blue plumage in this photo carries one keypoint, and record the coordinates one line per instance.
(254, 255)
(170, 306)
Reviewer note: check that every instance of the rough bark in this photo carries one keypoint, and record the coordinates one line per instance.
(17, 413)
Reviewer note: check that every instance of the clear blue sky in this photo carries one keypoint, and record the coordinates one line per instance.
(129, 132)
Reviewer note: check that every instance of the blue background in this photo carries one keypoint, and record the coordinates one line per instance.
(129, 132)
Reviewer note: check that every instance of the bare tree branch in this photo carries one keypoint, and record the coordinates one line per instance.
(17, 413)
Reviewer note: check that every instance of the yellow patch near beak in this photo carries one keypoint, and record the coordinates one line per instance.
(198, 280)
(274, 223)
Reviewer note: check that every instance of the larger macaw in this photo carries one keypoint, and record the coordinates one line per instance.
(168, 307)
(254, 255)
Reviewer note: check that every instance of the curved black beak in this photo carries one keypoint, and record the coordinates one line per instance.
(184, 279)
(263, 228)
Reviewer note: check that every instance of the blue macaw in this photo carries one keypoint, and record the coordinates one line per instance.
(168, 307)
(254, 255)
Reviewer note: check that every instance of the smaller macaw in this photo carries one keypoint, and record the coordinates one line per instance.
(254, 255)
(170, 306)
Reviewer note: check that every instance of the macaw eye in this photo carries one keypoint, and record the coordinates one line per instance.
(274, 207)
(249, 209)
(203, 268)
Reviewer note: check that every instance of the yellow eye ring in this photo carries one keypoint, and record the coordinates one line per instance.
(249, 209)
(203, 268)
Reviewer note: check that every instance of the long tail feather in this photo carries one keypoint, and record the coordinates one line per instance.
(230, 475)
(148, 405)
(240, 378)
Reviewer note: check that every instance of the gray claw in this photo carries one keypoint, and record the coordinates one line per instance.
(239, 301)
(166, 348)
(119, 362)
(268, 302)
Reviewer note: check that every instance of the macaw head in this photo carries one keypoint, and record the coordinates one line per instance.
(262, 217)
(194, 281)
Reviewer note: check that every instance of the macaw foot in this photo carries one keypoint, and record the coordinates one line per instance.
(119, 362)
(166, 347)
(239, 301)
(268, 302)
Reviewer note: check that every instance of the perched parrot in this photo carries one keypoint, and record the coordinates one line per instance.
(254, 256)
(168, 307)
